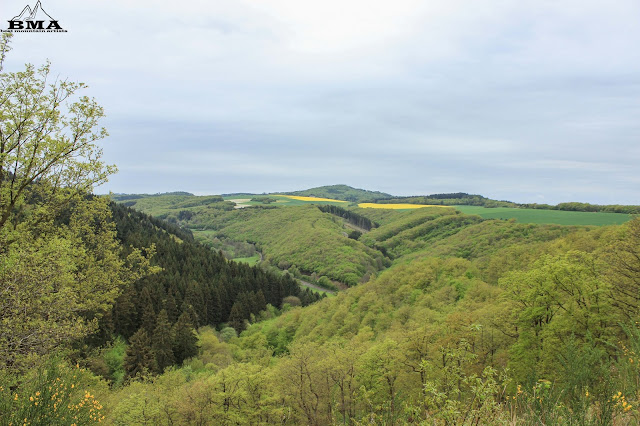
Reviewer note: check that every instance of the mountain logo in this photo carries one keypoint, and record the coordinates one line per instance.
(34, 19)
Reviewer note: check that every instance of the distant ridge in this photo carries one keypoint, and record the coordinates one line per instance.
(342, 192)
(123, 197)
(355, 195)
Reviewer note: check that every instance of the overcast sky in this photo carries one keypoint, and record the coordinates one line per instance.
(528, 101)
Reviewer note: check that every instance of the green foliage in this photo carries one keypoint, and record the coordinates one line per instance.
(264, 200)
(228, 333)
(194, 279)
(251, 261)
(185, 341)
(139, 359)
(355, 235)
(114, 359)
(162, 342)
(53, 394)
(427, 341)
(48, 136)
(586, 207)
(557, 298)
(61, 266)
(58, 280)
(302, 236)
(353, 218)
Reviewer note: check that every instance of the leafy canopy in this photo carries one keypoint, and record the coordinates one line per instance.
(48, 138)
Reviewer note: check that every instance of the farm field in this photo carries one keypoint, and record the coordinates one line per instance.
(310, 199)
(558, 217)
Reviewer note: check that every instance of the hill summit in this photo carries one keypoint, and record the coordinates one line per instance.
(342, 192)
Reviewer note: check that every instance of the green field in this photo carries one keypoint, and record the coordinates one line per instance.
(251, 261)
(558, 217)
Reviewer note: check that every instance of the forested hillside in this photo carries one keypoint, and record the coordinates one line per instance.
(540, 332)
(342, 192)
(312, 240)
(193, 279)
(476, 322)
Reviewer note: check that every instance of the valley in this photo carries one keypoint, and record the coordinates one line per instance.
(306, 310)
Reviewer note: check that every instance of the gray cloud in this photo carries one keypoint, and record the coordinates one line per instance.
(520, 100)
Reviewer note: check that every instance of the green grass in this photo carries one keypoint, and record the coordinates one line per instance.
(252, 261)
(315, 290)
(558, 217)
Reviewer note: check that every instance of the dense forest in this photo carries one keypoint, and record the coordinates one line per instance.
(475, 322)
(540, 330)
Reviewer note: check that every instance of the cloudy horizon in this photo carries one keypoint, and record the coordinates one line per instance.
(527, 101)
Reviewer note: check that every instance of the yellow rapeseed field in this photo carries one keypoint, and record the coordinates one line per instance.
(396, 206)
(296, 197)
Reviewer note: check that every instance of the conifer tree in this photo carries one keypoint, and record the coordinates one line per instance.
(237, 316)
(148, 319)
(125, 313)
(162, 342)
(139, 357)
(195, 298)
(214, 308)
(171, 307)
(187, 308)
(185, 341)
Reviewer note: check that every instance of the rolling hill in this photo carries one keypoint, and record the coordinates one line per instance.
(342, 192)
